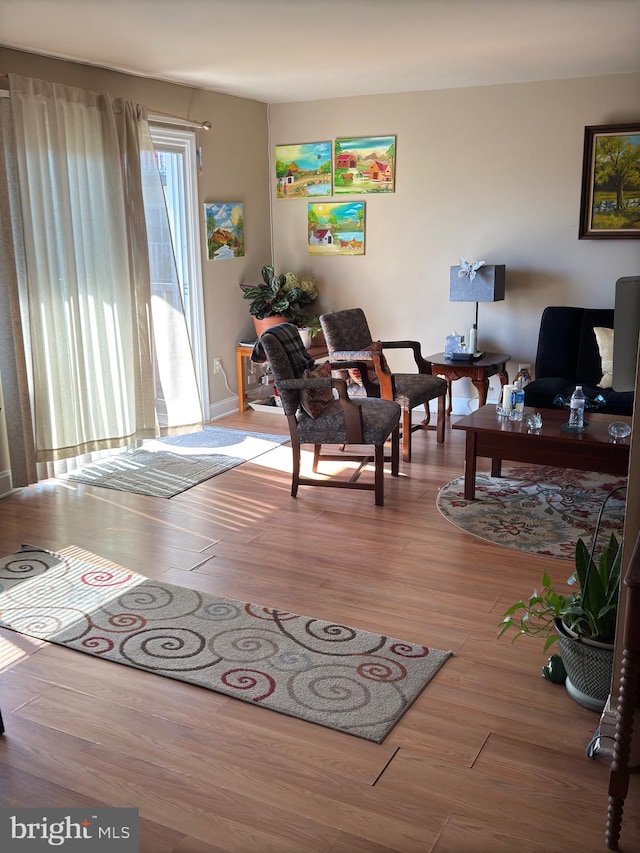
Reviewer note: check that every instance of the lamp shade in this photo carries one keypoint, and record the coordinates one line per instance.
(486, 286)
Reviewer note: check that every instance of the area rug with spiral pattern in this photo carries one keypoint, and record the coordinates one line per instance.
(323, 672)
(537, 509)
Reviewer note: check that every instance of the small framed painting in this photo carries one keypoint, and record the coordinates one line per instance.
(225, 230)
(364, 164)
(336, 228)
(303, 170)
(610, 201)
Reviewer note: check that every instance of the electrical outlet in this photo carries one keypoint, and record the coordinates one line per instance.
(524, 367)
(217, 365)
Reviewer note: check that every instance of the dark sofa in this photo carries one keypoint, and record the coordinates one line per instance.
(568, 355)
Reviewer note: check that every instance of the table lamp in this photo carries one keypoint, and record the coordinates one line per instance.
(475, 281)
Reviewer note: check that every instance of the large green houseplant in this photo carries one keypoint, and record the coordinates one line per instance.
(280, 296)
(581, 620)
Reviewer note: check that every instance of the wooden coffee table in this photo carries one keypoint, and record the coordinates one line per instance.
(500, 438)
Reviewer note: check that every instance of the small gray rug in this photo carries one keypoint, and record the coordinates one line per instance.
(323, 672)
(166, 467)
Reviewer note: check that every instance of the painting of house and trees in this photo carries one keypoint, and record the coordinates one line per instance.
(365, 164)
(303, 170)
(225, 230)
(336, 228)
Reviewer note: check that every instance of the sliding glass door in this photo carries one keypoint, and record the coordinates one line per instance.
(176, 157)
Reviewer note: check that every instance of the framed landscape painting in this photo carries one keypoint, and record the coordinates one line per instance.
(610, 201)
(303, 170)
(225, 230)
(336, 228)
(364, 164)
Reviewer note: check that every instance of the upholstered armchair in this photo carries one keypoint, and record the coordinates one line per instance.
(316, 417)
(348, 339)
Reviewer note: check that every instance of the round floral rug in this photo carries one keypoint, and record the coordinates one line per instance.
(541, 510)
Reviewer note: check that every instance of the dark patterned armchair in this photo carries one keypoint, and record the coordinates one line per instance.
(348, 338)
(316, 417)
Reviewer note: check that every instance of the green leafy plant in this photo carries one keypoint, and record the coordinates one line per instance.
(280, 295)
(589, 612)
(311, 323)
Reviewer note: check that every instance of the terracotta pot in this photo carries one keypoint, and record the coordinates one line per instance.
(267, 322)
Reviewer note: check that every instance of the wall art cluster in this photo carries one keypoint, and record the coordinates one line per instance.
(358, 165)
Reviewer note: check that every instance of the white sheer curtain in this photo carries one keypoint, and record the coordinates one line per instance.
(106, 350)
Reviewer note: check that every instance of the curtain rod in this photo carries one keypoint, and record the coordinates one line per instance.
(159, 118)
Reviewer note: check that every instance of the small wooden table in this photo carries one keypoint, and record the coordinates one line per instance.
(500, 438)
(478, 371)
(244, 351)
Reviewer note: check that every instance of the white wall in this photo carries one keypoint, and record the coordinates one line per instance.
(490, 172)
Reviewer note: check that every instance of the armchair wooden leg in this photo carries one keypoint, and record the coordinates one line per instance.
(395, 452)
(379, 474)
(316, 457)
(406, 435)
(295, 468)
(441, 420)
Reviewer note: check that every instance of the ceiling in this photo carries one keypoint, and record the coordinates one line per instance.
(280, 51)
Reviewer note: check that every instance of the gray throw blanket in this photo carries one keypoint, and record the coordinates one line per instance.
(291, 342)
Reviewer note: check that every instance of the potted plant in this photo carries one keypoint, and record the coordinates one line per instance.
(309, 328)
(279, 299)
(582, 621)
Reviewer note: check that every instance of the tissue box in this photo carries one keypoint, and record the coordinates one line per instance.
(454, 343)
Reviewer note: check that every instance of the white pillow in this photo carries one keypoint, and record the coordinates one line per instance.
(604, 337)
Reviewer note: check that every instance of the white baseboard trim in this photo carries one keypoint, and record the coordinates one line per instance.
(463, 405)
(6, 483)
(460, 406)
(223, 407)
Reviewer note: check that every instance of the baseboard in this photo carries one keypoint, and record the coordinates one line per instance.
(460, 406)
(223, 407)
(6, 483)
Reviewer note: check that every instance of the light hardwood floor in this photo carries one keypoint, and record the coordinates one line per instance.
(489, 759)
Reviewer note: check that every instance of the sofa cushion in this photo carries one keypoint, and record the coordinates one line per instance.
(589, 367)
(541, 393)
(604, 338)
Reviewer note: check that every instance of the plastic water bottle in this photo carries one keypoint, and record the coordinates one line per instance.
(576, 413)
(516, 410)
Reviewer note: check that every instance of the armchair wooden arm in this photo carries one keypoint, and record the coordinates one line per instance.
(422, 364)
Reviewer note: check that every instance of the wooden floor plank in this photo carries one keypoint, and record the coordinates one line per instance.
(490, 758)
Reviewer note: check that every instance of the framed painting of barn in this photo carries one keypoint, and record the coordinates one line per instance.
(336, 228)
(364, 164)
(303, 170)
